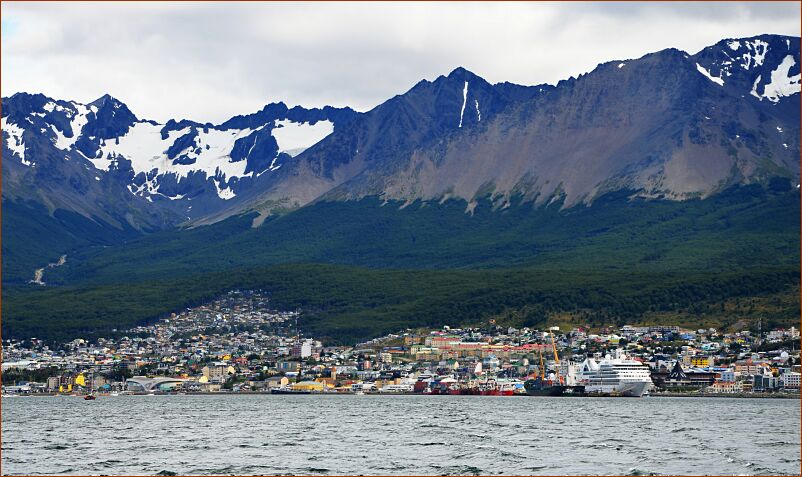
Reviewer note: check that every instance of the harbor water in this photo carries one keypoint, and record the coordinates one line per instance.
(417, 435)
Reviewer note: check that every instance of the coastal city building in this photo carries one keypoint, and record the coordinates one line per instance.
(239, 343)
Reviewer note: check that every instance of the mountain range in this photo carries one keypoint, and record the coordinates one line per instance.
(94, 180)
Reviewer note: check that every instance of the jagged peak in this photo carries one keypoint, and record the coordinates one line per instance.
(24, 94)
(675, 53)
(751, 41)
(462, 74)
(460, 71)
(106, 99)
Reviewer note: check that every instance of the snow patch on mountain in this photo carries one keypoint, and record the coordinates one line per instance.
(759, 48)
(224, 193)
(781, 84)
(14, 142)
(464, 100)
(78, 119)
(273, 166)
(144, 147)
(293, 137)
(707, 74)
(754, 88)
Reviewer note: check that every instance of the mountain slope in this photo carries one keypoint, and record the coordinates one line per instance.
(661, 125)
(421, 118)
(97, 164)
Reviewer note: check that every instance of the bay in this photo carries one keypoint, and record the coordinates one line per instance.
(398, 435)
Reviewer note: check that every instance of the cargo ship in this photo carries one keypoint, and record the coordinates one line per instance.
(539, 387)
(551, 383)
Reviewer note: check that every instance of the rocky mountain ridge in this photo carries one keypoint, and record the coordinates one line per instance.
(669, 124)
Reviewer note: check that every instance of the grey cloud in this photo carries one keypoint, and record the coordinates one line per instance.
(209, 61)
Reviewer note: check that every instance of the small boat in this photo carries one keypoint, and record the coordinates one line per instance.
(289, 391)
(489, 387)
(81, 380)
(507, 388)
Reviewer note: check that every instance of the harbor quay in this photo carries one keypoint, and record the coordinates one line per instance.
(239, 344)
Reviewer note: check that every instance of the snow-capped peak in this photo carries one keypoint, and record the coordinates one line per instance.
(166, 160)
(765, 66)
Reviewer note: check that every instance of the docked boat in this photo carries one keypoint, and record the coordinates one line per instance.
(619, 376)
(552, 383)
(287, 390)
(510, 387)
(488, 387)
(397, 388)
(540, 387)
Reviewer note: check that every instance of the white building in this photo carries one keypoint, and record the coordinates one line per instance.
(730, 376)
(302, 349)
(790, 380)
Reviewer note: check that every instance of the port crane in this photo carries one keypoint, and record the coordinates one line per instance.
(556, 360)
(556, 357)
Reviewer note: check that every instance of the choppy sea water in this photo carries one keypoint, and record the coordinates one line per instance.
(417, 435)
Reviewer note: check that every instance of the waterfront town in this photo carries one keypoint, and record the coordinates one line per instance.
(239, 344)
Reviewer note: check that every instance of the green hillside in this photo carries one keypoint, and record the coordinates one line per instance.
(33, 237)
(363, 268)
(345, 304)
(743, 227)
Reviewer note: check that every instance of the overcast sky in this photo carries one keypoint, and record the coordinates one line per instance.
(210, 61)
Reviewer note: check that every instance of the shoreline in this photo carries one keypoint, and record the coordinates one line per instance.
(733, 395)
(251, 393)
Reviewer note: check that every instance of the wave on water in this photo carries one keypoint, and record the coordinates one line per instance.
(636, 471)
(316, 470)
(331, 436)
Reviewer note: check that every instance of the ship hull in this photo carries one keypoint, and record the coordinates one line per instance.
(534, 388)
(637, 389)
(629, 389)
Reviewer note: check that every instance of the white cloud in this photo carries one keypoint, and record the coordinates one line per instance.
(209, 61)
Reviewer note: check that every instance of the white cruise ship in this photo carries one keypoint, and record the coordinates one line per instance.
(616, 376)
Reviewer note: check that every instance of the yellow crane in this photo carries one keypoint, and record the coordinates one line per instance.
(556, 357)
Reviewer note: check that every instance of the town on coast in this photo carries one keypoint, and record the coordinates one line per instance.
(238, 343)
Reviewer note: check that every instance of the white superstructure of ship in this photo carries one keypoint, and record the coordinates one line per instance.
(618, 376)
